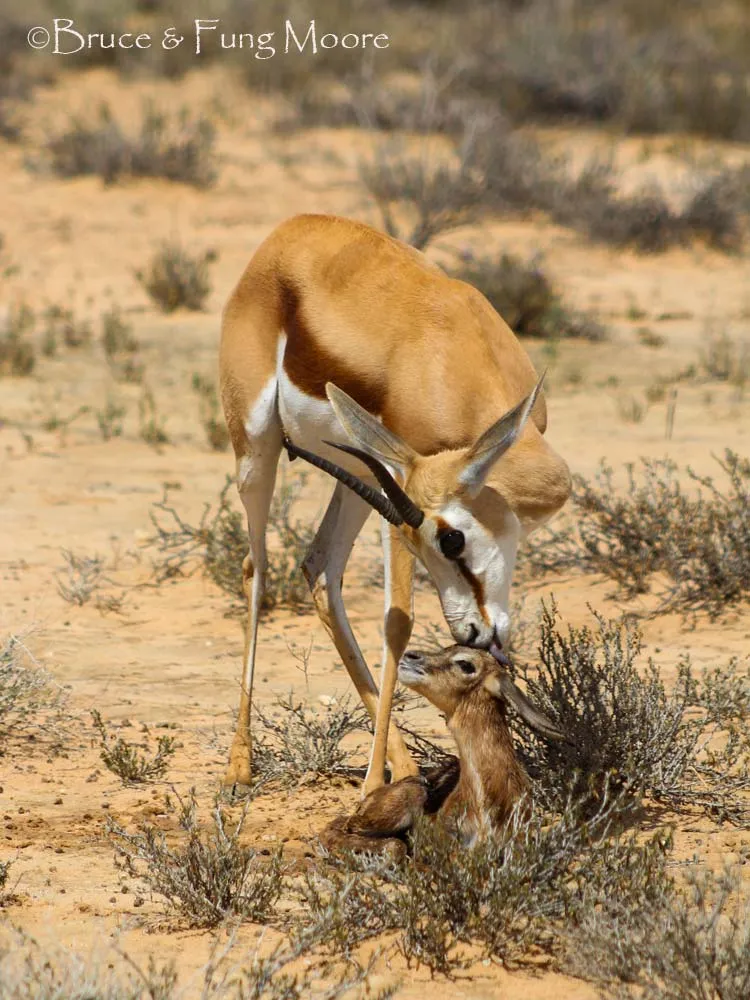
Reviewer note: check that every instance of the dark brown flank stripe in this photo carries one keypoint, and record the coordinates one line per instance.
(310, 366)
(474, 583)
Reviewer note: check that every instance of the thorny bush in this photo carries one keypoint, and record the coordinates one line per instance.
(699, 540)
(688, 748)
(207, 877)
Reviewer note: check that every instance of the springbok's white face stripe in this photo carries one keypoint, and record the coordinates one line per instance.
(479, 594)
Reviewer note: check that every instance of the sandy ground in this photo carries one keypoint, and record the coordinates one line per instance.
(172, 658)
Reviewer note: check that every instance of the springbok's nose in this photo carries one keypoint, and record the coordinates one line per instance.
(412, 656)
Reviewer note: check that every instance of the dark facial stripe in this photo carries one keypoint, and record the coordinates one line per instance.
(474, 583)
(476, 586)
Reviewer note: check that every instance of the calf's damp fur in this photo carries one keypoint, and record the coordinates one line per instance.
(476, 795)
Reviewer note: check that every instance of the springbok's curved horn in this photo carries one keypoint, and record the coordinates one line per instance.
(401, 500)
(368, 493)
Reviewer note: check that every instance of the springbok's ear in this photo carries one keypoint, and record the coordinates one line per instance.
(495, 442)
(368, 432)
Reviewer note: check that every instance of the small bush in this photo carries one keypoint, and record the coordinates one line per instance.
(699, 541)
(523, 295)
(622, 727)
(295, 745)
(152, 429)
(207, 878)
(213, 423)
(61, 323)
(25, 690)
(692, 945)
(109, 420)
(725, 359)
(84, 575)
(17, 353)
(126, 760)
(179, 149)
(176, 279)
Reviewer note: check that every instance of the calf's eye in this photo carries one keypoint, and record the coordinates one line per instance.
(452, 544)
(466, 667)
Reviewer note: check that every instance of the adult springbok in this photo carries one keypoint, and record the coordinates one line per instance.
(405, 385)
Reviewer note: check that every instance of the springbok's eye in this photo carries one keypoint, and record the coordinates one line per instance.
(452, 544)
(466, 667)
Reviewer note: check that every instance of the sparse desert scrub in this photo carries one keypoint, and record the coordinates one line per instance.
(127, 760)
(687, 747)
(687, 945)
(512, 897)
(177, 279)
(699, 538)
(294, 744)
(487, 169)
(178, 148)
(17, 352)
(209, 875)
(26, 691)
(151, 424)
(218, 544)
(521, 292)
(617, 62)
(120, 346)
(212, 420)
(29, 971)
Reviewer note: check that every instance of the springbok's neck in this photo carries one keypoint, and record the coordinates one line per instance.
(491, 778)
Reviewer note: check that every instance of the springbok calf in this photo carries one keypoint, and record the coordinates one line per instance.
(476, 799)
(347, 345)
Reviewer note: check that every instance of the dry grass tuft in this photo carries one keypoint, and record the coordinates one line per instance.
(212, 420)
(210, 875)
(17, 352)
(126, 760)
(295, 745)
(177, 279)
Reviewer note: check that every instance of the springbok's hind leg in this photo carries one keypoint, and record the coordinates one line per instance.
(323, 568)
(256, 476)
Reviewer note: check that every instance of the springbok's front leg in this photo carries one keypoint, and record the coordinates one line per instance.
(399, 618)
(324, 571)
